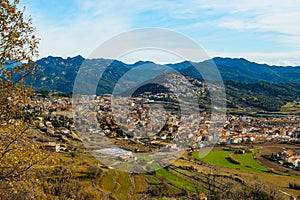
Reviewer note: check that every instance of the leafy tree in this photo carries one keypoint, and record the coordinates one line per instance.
(18, 47)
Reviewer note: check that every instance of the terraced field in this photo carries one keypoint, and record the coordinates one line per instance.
(247, 168)
(186, 178)
(221, 158)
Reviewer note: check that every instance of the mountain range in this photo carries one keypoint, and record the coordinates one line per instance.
(269, 87)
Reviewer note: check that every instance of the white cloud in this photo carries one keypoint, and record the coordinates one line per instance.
(80, 37)
(97, 21)
(281, 17)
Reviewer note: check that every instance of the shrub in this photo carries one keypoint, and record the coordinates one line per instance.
(295, 186)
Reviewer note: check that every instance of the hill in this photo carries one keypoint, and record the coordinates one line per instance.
(248, 85)
(240, 69)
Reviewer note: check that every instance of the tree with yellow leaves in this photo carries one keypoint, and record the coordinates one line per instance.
(18, 48)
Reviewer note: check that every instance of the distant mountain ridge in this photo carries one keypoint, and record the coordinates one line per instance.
(240, 69)
(256, 71)
(270, 86)
(55, 72)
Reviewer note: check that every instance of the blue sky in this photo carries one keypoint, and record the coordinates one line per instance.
(264, 31)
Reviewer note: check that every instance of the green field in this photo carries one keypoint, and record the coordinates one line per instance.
(220, 158)
(248, 161)
(176, 180)
(117, 182)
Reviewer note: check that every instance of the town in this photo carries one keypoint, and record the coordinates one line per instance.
(147, 122)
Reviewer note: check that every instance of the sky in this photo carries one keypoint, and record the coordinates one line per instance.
(264, 31)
